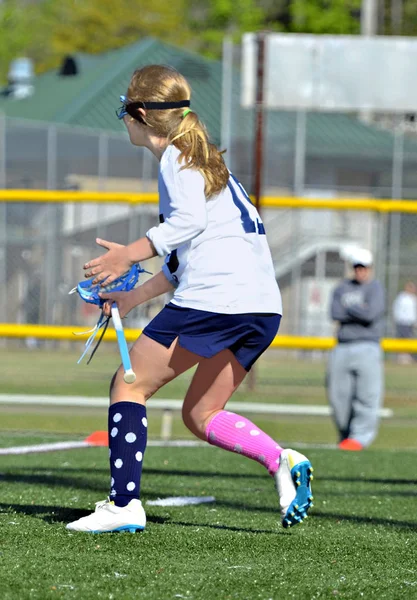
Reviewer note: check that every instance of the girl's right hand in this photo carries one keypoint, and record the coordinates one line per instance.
(125, 302)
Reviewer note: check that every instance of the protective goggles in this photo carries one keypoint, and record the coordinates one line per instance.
(131, 108)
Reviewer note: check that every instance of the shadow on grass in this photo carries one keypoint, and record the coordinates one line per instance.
(53, 480)
(314, 514)
(364, 520)
(58, 515)
(383, 481)
(55, 514)
(170, 472)
(229, 528)
(372, 493)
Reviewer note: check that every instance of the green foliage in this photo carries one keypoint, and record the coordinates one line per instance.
(96, 26)
(99, 25)
(409, 22)
(211, 21)
(15, 32)
(49, 30)
(324, 16)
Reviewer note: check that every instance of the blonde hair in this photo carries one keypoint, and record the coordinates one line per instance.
(158, 83)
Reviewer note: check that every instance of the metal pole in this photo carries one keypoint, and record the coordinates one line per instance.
(299, 182)
(381, 262)
(227, 80)
(52, 258)
(2, 150)
(103, 166)
(320, 276)
(259, 119)
(103, 160)
(369, 17)
(369, 27)
(258, 162)
(300, 152)
(395, 221)
(51, 152)
(3, 224)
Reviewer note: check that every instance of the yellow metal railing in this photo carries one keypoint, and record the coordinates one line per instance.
(52, 332)
(57, 196)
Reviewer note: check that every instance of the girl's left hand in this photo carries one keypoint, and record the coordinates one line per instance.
(109, 266)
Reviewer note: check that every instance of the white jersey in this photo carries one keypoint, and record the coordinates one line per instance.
(405, 309)
(217, 253)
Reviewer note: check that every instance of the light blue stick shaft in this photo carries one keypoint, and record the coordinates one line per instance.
(129, 375)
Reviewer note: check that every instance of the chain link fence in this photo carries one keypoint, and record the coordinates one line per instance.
(44, 246)
(325, 155)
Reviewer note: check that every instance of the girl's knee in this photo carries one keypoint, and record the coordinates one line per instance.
(197, 422)
(120, 391)
(193, 423)
(189, 420)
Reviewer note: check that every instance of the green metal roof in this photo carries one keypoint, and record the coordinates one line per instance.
(89, 99)
(330, 135)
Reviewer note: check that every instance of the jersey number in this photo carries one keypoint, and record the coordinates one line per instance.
(248, 224)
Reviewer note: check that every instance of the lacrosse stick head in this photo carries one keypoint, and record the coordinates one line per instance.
(89, 292)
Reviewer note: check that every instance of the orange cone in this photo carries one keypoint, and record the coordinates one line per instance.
(98, 438)
(350, 444)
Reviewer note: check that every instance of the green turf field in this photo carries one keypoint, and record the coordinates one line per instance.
(279, 379)
(359, 543)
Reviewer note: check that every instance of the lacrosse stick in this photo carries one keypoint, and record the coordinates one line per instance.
(89, 292)
(129, 375)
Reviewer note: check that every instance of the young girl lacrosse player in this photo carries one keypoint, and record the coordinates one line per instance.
(225, 311)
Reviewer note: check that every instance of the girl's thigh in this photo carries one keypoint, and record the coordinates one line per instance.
(154, 365)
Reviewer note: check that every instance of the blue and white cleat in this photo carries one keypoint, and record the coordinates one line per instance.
(109, 518)
(292, 481)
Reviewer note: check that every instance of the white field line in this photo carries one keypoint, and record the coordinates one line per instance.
(175, 404)
(44, 448)
(73, 445)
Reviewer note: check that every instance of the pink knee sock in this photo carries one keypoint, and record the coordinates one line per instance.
(237, 434)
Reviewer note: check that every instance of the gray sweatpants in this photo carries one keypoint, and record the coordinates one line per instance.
(355, 387)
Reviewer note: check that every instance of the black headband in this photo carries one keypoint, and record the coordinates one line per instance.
(157, 105)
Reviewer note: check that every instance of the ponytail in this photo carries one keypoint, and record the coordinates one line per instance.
(191, 139)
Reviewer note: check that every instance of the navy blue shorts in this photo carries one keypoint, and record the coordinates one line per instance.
(208, 333)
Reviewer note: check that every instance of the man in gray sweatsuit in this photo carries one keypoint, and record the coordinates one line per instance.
(355, 367)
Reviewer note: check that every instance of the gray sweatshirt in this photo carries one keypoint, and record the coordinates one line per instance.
(359, 308)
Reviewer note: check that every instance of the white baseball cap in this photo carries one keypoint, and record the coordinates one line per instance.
(361, 256)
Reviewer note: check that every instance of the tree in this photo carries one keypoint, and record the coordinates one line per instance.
(210, 21)
(48, 30)
(325, 16)
(95, 26)
(16, 33)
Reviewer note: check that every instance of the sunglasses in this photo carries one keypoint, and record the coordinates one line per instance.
(131, 108)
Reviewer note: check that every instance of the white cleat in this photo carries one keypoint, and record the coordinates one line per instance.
(108, 518)
(292, 481)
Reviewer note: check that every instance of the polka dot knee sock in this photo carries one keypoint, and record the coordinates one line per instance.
(127, 443)
(237, 434)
